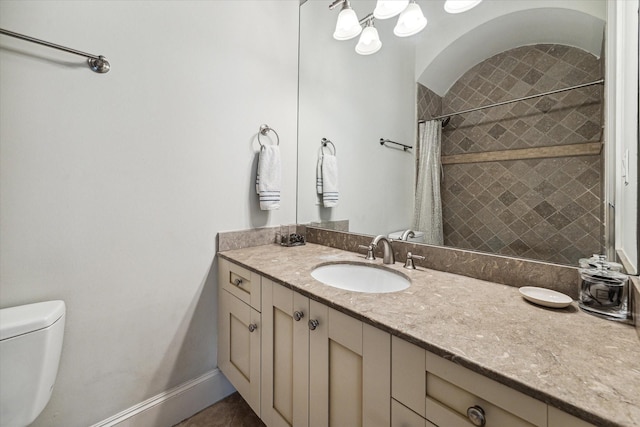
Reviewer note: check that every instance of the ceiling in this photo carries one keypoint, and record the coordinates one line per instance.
(452, 44)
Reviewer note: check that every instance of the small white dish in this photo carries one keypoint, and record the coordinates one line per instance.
(545, 297)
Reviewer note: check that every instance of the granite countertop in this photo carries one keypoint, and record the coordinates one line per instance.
(584, 365)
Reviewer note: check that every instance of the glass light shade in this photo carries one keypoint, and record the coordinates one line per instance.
(410, 22)
(369, 41)
(347, 26)
(459, 6)
(389, 8)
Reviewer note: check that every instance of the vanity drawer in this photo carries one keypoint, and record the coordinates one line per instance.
(557, 418)
(442, 391)
(451, 390)
(240, 282)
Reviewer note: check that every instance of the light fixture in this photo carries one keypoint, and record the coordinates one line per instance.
(389, 8)
(347, 26)
(459, 6)
(411, 21)
(369, 42)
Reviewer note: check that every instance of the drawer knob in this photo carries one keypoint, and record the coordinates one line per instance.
(476, 416)
(252, 327)
(297, 315)
(313, 324)
(237, 282)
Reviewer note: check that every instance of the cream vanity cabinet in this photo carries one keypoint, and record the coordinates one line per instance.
(429, 390)
(321, 367)
(239, 329)
(300, 363)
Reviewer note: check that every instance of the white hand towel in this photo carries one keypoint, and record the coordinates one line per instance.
(319, 175)
(268, 177)
(329, 181)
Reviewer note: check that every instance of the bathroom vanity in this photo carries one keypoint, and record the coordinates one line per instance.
(447, 351)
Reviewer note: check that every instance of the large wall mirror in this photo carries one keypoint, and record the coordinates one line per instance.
(524, 179)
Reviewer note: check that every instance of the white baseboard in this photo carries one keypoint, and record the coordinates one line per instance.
(172, 406)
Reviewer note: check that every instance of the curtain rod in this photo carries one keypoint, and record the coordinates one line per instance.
(597, 82)
(97, 63)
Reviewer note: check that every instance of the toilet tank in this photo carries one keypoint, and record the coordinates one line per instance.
(418, 236)
(30, 346)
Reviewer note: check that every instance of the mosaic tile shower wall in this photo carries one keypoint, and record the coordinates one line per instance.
(547, 208)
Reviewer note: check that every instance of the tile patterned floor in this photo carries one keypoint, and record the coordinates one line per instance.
(231, 411)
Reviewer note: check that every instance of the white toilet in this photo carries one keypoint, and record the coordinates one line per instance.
(30, 346)
(418, 236)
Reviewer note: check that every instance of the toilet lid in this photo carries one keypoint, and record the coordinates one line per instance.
(23, 319)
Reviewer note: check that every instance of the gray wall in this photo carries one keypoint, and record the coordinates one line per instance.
(114, 186)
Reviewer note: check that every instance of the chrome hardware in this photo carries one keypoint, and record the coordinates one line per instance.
(313, 324)
(324, 142)
(97, 63)
(404, 146)
(407, 235)
(264, 130)
(370, 256)
(297, 315)
(388, 257)
(524, 98)
(237, 282)
(409, 265)
(476, 416)
(252, 327)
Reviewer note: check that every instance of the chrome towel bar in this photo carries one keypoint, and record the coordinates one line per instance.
(97, 63)
(404, 147)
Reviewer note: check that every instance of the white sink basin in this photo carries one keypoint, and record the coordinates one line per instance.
(360, 278)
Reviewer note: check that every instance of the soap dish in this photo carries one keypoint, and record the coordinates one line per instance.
(545, 297)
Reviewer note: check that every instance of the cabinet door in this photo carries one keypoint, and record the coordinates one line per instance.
(239, 347)
(285, 356)
(408, 381)
(349, 371)
(401, 416)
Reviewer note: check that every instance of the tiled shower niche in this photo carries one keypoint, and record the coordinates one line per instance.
(546, 208)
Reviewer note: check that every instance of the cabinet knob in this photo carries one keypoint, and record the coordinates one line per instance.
(252, 327)
(297, 315)
(237, 282)
(476, 416)
(313, 324)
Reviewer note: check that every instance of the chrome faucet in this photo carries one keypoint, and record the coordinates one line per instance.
(407, 235)
(388, 257)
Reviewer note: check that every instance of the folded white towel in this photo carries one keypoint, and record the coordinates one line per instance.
(319, 175)
(329, 181)
(268, 177)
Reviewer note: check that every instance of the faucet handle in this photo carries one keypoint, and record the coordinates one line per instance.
(409, 263)
(370, 256)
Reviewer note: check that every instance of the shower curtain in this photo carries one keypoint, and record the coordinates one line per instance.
(427, 212)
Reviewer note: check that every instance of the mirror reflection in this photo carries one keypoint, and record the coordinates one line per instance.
(520, 179)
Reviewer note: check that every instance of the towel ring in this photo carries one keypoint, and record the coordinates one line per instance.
(324, 142)
(264, 129)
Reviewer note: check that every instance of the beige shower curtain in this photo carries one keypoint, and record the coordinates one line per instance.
(427, 212)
